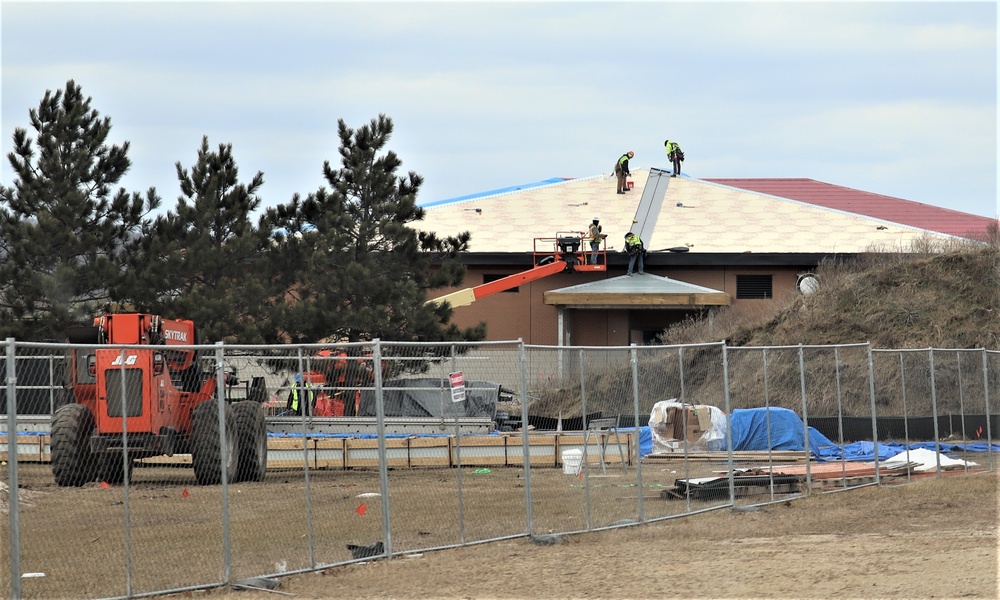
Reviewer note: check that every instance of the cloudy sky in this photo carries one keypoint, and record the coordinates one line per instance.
(896, 98)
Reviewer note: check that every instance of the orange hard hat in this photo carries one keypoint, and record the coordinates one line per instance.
(631, 154)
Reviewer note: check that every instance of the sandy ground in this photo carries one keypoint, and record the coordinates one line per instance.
(930, 539)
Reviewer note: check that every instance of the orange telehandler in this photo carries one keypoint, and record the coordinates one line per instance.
(126, 403)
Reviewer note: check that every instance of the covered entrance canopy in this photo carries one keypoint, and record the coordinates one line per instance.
(636, 292)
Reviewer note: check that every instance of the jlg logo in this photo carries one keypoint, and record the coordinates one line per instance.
(129, 360)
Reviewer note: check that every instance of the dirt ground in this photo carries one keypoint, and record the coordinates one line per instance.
(934, 538)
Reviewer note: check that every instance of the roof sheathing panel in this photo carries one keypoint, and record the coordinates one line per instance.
(897, 210)
(706, 217)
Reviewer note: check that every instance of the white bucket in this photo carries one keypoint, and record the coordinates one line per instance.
(572, 461)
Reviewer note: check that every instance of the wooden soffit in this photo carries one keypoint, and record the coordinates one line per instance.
(634, 300)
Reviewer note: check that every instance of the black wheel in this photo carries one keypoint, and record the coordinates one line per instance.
(72, 461)
(252, 432)
(112, 469)
(207, 454)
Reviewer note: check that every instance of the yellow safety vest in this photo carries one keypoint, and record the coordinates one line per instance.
(595, 233)
(295, 396)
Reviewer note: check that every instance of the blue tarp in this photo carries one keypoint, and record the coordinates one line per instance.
(865, 451)
(645, 440)
(750, 433)
(749, 428)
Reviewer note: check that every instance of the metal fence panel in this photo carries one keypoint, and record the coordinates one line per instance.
(561, 446)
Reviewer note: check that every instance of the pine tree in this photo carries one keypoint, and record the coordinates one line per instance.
(363, 271)
(65, 232)
(203, 261)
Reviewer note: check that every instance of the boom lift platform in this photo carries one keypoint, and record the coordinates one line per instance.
(567, 252)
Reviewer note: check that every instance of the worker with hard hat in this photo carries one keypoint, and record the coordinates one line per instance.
(674, 154)
(301, 396)
(635, 250)
(594, 236)
(621, 171)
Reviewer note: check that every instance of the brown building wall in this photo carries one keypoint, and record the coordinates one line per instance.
(523, 313)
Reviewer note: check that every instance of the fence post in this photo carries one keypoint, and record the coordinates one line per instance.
(383, 461)
(871, 397)
(634, 359)
(586, 462)
(729, 424)
(961, 412)
(13, 495)
(125, 469)
(767, 422)
(934, 411)
(304, 390)
(220, 391)
(687, 462)
(805, 418)
(52, 383)
(986, 399)
(458, 461)
(528, 515)
(906, 416)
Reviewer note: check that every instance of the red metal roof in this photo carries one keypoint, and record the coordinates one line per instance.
(896, 210)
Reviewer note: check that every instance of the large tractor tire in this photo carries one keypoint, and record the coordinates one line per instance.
(207, 454)
(252, 432)
(72, 462)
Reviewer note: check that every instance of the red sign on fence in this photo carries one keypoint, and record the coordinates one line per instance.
(457, 386)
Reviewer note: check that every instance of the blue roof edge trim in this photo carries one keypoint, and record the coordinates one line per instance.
(496, 192)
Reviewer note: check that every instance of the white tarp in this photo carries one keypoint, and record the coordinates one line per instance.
(713, 439)
(926, 459)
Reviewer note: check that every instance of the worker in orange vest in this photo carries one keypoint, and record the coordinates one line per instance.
(594, 236)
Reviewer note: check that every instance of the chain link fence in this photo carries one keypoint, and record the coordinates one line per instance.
(144, 470)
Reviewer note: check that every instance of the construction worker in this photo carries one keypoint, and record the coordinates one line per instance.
(635, 250)
(674, 154)
(594, 236)
(301, 395)
(339, 378)
(347, 371)
(621, 171)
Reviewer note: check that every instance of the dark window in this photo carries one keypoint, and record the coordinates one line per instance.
(132, 383)
(487, 278)
(753, 287)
